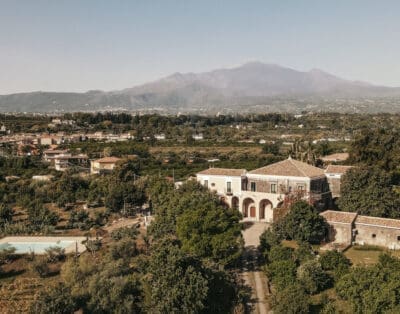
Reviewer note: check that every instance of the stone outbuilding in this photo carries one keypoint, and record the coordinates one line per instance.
(347, 228)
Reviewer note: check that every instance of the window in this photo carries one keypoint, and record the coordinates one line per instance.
(253, 186)
(273, 188)
(374, 235)
(206, 183)
(301, 187)
(398, 238)
(213, 184)
(229, 187)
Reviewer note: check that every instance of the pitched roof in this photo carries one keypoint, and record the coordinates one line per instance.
(106, 160)
(290, 167)
(337, 216)
(379, 222)
(223, 172)
(337, 169)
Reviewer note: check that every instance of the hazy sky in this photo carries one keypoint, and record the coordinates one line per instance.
(77, 45)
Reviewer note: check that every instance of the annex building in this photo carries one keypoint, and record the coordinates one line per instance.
(346, 228)
(257, 194)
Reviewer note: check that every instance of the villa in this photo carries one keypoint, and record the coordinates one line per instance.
(258, 193)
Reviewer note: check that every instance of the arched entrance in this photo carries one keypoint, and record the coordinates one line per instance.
(235, 202)
(265, 210)
(249, 208)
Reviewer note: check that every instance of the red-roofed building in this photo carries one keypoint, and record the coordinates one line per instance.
(102, 165)
(258, 192)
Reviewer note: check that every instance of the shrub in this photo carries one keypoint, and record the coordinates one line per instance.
(125, 232)
(40, 266)
(55, 254)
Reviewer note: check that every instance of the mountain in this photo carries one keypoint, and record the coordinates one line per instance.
(254, 85)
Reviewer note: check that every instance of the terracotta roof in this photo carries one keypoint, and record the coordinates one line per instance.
(337, 169)
(290, 167)
(108, 160)
(379, 222)
(337, 216)
(336, 157)
(223, 172)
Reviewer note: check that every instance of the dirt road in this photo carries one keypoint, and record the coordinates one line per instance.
(253, 276)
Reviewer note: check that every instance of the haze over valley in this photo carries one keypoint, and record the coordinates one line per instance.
(251, 87)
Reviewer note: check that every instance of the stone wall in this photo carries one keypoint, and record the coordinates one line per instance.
(340, 232)
(377, 235)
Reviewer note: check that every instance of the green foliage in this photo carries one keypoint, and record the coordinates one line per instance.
(40, 266)
(79, 219)
(369, 191)
(106, 286)
(57, 300)
(291, 300)
(268, 239)
(125, 232)
(195, 216)
(312, 277)
(55, 254)
(304, 252)
(373, 289)
(335, 262)
(302, 223)
(40, 216)
(123, 249)
(209, 230)
(6, 214)
(177, 283)
(377, 148)
(282, 273)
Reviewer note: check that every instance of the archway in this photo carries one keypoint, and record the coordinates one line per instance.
(235, 202)
(249, 208)
(265, 208)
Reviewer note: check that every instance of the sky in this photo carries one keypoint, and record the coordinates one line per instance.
(80, 45)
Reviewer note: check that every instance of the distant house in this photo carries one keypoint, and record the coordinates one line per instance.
(160, 137)
(103, 165)
(198, 137)
(50, 154)
(350, 228)
(334, 175)
(62, 163)
(47, 177)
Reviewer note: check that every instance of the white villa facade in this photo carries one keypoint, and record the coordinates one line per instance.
(257, 193)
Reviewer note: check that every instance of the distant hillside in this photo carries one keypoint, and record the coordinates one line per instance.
(251, 86)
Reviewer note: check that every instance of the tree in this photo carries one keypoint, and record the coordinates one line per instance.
(291, 300)
(302, 223)
(312, 277)
(369, 191)
(373, 289)
(336, 262)
(57, 300)
(282, 273)
(177, 282)
(40, 216)
(6, 214)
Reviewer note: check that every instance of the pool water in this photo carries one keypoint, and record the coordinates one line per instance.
(36, 247)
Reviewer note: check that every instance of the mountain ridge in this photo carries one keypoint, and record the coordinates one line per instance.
(248, 85)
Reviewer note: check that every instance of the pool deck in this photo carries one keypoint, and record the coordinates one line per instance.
(69, 249)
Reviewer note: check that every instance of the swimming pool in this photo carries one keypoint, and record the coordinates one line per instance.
(38, 245)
